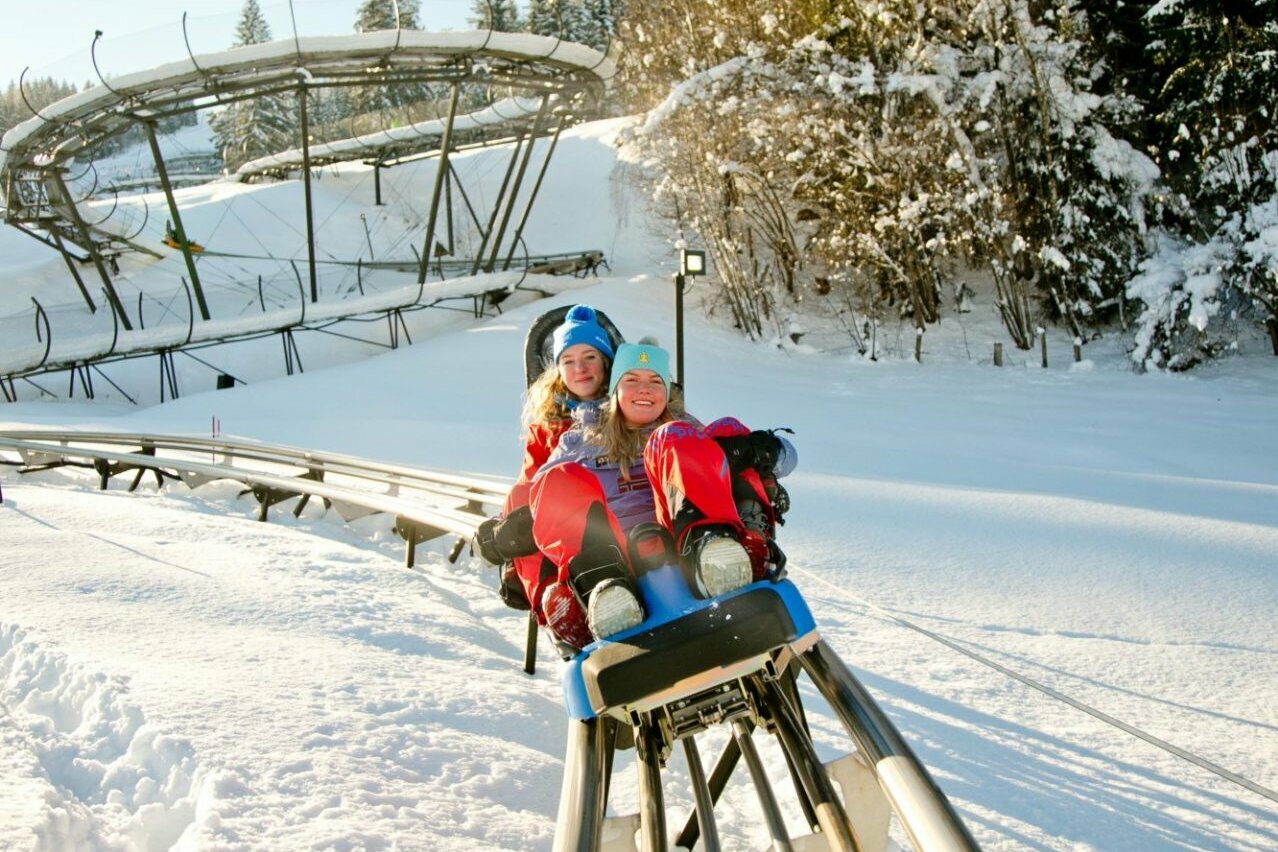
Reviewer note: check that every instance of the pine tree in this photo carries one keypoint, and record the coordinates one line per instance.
(252, 28)
(499, 15)
(380, 15)
(258, 125)
(1215, 141)
(598, 24)
(558, 18)
(40, 91)
(541, 18)
(370, 102)
(572, 20)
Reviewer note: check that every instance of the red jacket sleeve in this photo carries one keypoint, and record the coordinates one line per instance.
(539, 442)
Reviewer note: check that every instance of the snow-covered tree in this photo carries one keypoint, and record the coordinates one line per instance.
(252, 27)
(1072, 195)
(39, 92)
(862, 155)
(380, 15)
(588, 22)
(1216, 141)
(539, 19)
(258, 125)
(499, 15)
(370, 102)
(599, 23)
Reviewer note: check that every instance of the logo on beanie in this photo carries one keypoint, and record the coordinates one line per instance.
(643, 357)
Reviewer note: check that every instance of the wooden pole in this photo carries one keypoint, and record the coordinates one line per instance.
(998, 354)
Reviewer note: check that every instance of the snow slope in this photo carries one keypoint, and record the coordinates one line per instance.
(173, 674)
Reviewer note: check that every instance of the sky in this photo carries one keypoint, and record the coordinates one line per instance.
(174, 674)
(152, 29)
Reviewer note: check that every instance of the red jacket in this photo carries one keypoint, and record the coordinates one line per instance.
(539, 441)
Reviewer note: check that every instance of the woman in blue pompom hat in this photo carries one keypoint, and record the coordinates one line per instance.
(637, 474)
(581, 357)
(577, 378)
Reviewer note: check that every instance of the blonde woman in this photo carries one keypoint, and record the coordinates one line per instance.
(577, 379)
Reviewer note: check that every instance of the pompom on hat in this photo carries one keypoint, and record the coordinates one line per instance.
(644, 355)
(580, 325)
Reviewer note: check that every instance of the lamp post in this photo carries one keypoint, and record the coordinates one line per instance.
(691, 264)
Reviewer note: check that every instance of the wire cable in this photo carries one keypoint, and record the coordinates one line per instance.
(954, 645)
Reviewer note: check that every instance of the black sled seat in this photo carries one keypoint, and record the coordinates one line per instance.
(697, 643)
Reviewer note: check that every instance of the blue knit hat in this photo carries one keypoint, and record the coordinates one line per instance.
(644, 355)
(580, 325)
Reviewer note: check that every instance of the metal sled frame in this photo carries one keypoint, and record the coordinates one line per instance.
(735, 661)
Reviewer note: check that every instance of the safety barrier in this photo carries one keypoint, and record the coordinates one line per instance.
(426, 503)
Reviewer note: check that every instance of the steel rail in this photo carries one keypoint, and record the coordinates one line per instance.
(421, 496)
(923, 810)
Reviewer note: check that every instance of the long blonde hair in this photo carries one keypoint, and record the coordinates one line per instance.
(544, 400)
(623, 443)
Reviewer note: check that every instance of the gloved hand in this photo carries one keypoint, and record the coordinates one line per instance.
(511, 590)
(502, 539)
(485, 541)
(758, 450)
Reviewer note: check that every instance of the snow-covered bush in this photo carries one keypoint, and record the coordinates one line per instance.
(1213, 91)
(869, 149)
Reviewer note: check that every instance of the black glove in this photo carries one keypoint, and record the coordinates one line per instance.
(514, 535)
(512, 590)
(484, 541)
(502, 539)
(759, 450)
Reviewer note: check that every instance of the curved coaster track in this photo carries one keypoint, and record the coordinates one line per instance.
(481, 88)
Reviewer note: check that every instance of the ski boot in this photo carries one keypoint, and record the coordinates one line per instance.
(601, 581)
(716, 559)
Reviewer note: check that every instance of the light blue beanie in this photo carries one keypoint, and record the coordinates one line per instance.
(580, 325)
(644, 355)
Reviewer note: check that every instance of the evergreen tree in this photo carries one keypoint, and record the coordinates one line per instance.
(499, 15)
(1216, 142)
(598, 23)
(380, 15)
(565, 19)
(541, 18)
(369, 103)
(252, 27)
(40, 92)
(572, 20)
(261, 124)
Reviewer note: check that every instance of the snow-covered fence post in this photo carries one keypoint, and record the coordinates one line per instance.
(918, 345)
(1272, 325)
(998, 354)
(1078, 349)
(1042, 344)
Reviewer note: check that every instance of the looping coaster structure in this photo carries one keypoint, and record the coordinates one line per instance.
(485, 86)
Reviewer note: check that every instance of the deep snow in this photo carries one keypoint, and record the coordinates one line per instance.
(173, 672)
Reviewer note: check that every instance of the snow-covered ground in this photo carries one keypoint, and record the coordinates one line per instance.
(172, 672)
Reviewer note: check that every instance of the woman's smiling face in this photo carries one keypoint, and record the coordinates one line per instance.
(581, 366)
(641, 397)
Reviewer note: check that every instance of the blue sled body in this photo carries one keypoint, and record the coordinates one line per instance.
(684, 640)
